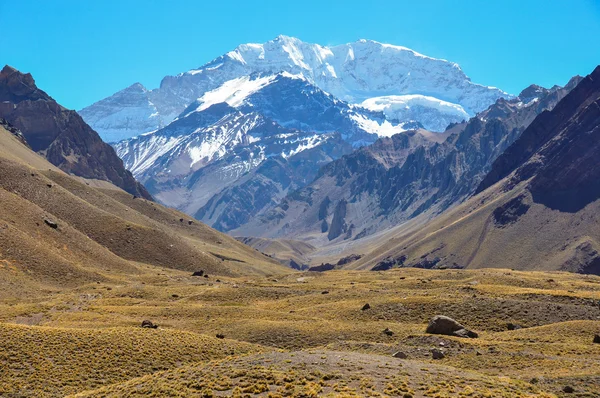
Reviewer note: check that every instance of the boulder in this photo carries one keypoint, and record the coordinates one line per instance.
(220, 336)
(447, 326)
(366, 307)
(198, 273)
(388, 332)
(400, 355)
(597, 339)
(148, 324)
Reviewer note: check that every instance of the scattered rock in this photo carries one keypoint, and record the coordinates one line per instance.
(441, 324)
(388, 332)
(324, 292)
(190, 222)
(198, 273)
(400, 355)
(513, 326)
(181, 220)
(49, 185)
(220, 336)
(51, 223)
(437, 354)
(175, 295)
(597, 339)
(366, 307)
(149, 325)
(568, 389)
(206, 275)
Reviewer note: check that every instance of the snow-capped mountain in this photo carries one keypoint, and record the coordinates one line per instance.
(230, 141)
(353, 72)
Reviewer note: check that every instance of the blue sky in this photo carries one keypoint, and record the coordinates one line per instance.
(82, 51)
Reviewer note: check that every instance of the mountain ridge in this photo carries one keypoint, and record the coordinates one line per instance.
(351, 72)
(60, 134)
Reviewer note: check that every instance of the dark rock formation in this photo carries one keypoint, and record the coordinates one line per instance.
(441, 324)
(60, 134)
(349, 259)
(338, 223)
(322, 268)
(511, 211)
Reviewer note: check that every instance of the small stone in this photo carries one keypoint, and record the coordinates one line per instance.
(437, 354)
(366, 307)
(568, 389)
(146, 324)
(388, 332)
(597, 339)
(400, 355)
(220, 336)
(198, 273)
(51, 223)
(325, 292)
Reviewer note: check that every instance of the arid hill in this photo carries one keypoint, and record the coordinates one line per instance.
(59, 231)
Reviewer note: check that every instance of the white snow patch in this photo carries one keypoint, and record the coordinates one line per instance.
(385, 129)
(389, 103)
(234, 91)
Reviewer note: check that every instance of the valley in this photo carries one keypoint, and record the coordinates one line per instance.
(291, 219)
(306, 334)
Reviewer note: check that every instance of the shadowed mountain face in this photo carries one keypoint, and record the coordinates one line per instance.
(398, 178)
(60, 134)
(560, 150)
(536, 209)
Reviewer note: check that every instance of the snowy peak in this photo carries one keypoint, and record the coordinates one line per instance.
(353, 72)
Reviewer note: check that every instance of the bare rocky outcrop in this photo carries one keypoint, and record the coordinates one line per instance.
(60, 134)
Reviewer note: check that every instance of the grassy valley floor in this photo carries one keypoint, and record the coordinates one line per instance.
(306, 334)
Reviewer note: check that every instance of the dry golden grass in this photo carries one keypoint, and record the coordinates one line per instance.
(307, 335)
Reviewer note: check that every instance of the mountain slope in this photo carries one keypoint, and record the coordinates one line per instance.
(353, 72)
(59, 134)
(61, 231)
(399, 178)
(538, 206)
(238, 149)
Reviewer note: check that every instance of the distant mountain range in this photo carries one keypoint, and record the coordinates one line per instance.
(398, 178)
(400, 82)
(226, 142)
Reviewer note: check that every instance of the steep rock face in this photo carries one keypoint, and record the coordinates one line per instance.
(59, 134)
(387, 184)
(352, 72)
(560, 151)
(537, 208)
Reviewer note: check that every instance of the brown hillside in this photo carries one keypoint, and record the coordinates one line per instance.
(100, 232)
